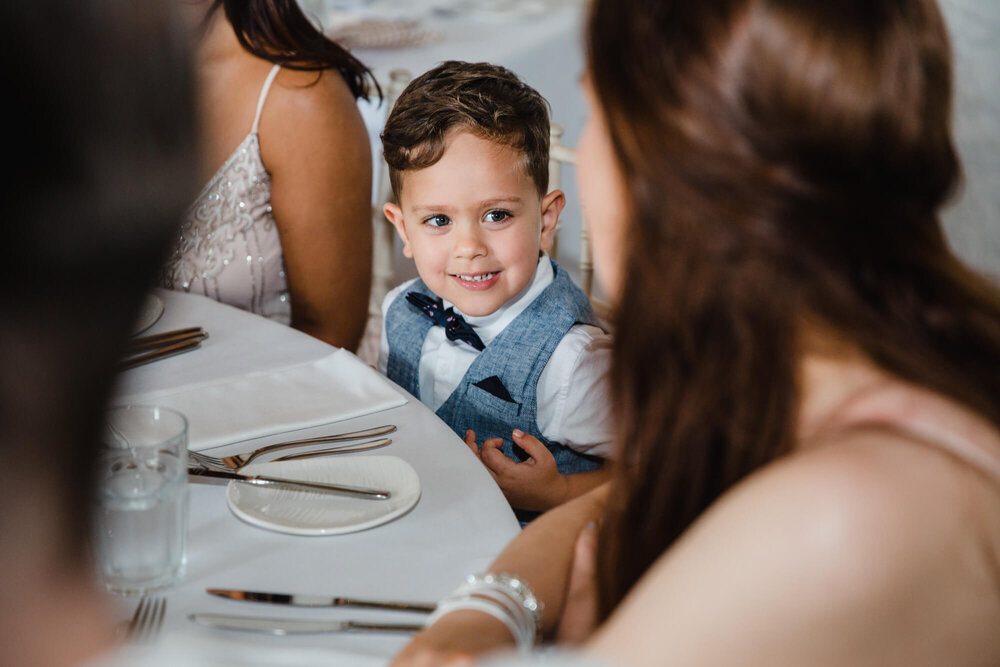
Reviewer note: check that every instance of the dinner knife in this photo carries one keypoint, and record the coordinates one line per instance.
(294, 484)
(185, 345)
(295, 626)
(296, 600)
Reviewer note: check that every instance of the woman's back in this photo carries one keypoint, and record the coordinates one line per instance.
(876, 542)
(228, 247)
(286, 232)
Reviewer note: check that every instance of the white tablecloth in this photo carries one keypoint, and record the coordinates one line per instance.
(459, 525)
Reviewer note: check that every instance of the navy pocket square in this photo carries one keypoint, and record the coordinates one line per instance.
(494, 386)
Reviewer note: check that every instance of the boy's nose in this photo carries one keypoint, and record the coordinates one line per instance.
(469, 242)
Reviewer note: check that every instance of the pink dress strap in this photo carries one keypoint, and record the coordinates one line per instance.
(930, 418)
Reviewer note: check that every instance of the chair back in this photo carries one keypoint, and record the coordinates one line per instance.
(383, 234)
(384, 241)
(560, 154)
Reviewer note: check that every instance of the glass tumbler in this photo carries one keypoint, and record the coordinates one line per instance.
(142, 504)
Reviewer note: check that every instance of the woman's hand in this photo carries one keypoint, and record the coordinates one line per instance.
(455, 639)
(462, 633)
(579, 617)
(533, 484)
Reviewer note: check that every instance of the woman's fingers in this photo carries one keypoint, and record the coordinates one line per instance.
(580, 611)
(436, 658)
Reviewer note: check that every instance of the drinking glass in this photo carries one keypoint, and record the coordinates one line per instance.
(142, 504)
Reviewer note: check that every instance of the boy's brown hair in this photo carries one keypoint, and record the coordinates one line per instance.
(487, 100)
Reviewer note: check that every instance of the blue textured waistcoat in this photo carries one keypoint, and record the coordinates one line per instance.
(516, 357)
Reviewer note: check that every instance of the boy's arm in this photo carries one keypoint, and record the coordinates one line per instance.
(582, 482)
(573, 402)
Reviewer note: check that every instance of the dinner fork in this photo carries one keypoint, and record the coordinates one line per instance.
(237, 461)
(146, 620)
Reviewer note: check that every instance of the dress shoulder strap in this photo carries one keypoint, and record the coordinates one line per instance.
(935, 420)
(263, 96)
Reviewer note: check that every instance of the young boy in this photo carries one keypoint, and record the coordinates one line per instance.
(517, 346)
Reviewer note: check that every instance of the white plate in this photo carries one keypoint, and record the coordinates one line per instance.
(149, 313)
(307, 513)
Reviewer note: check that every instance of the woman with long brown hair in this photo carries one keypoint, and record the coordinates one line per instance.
(282, 227)
(806, 379)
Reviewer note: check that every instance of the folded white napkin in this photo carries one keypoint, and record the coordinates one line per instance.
(333, 388)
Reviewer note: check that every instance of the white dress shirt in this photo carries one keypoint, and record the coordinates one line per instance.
(573, 404)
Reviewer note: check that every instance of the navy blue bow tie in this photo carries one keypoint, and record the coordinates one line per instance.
(455, 326)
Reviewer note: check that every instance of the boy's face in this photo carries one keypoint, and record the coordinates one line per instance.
(474, 223)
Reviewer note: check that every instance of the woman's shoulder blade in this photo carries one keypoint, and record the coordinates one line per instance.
(873, 493)
(871, 533)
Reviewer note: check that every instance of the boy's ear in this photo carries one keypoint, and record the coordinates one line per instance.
(552, 206)
(394, 214)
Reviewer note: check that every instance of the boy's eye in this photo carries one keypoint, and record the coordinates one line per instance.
(437, 220)
(497, 216)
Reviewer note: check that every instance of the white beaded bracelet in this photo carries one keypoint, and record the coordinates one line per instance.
(502, 596)
(451, 604)
(513, 588)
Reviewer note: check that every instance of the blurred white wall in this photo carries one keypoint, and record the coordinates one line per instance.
(972, 222)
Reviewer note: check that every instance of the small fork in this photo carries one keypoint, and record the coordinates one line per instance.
(147, 620)
(237, 461)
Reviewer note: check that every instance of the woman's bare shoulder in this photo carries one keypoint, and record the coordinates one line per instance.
(822, 558)
(868, 514)
(311, 124)
(320, 99)
(873, 492)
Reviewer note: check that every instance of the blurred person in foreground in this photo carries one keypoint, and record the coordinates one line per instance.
(101, 122)
(805, 377)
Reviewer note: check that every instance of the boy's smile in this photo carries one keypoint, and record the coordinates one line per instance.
(474, 223)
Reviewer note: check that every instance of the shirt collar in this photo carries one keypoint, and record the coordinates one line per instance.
(489, 326)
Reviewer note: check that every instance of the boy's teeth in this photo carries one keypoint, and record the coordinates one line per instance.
(477, 279)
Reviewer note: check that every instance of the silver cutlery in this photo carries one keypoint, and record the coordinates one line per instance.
(297, 600)
(153, 341)
(294, 484)
(237, 461)
(147, 620)
(294, 626)
(161, 351)
(340, 449)
(200, 460)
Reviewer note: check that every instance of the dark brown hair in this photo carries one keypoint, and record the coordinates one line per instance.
(785, 161)
(98, 195)
(278, 31)
(488, 100)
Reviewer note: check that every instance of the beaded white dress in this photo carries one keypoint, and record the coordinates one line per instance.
(228, 247)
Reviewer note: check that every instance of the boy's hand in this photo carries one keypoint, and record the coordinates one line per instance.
(470, 441)
(534, 484)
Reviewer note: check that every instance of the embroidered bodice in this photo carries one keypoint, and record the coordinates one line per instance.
(228, 247)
